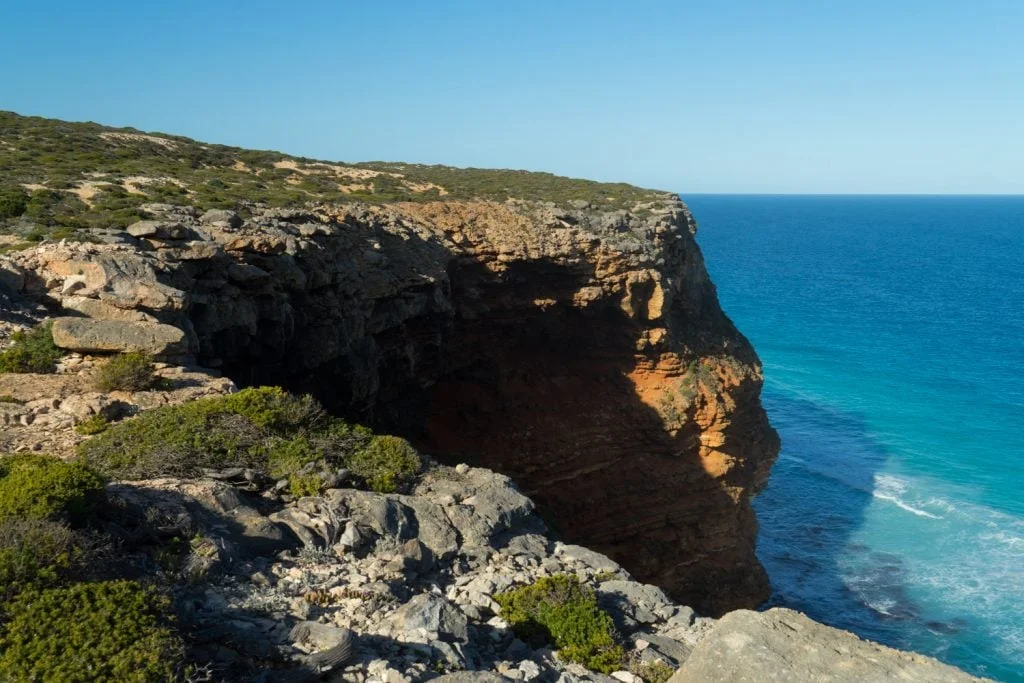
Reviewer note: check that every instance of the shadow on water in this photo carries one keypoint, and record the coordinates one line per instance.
(809, 514)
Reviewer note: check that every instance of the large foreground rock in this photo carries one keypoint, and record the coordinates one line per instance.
(88, 336)
(783, 645)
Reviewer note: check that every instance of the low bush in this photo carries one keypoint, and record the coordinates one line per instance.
(113, 631)
(13, 202)
(32, 351)
(125, 372)
(94, 424)
(34, 552)
(264, 428)
(563, 612)
(43, 487)
(386, 463)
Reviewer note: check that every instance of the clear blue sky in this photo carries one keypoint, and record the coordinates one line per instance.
(730, 96)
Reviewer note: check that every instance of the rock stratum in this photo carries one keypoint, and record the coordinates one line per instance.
(581, 352)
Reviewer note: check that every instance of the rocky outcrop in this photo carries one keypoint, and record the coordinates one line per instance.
(783, 645)
(366, 587)
(581, 352)
(38, 412)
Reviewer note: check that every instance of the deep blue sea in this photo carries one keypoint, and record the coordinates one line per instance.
(892, 335)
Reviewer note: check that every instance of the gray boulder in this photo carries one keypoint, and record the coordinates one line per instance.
(89, 336)
(783, 645)
(210, 508)
(160, 230)
(631, 603)
(429, 618)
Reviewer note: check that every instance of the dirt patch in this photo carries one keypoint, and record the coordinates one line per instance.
(139, 137)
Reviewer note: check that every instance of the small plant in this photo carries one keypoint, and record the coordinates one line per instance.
(94, 424)
(33, 552)
(104, 632)
(32, 351)
(7, 398)
(125, 372)
(605, 575)
(386, 463)
(561, 611)
(656, 671)
(43, 487)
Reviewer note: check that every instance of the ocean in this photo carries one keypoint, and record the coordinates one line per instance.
(891, 329)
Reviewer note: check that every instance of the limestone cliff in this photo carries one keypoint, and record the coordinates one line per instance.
(579, 349)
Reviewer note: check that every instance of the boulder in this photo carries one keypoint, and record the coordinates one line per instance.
(631, 603)
(428, 618)
(221, 217)
(100, 310)
(160, 230)
(783, 645)
(210, 508)
(89, 336)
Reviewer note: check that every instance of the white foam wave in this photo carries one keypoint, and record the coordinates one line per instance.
(889, 488)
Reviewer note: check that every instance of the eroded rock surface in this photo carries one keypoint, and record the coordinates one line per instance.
(783, 645)
(581, 352)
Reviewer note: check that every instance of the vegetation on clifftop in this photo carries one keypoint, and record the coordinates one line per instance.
(32, 351)
(263, 428)
(57, 177)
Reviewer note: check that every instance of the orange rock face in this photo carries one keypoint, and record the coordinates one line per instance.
(609, 384)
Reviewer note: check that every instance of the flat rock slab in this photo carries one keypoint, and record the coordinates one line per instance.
(783, 645)
(90, 336)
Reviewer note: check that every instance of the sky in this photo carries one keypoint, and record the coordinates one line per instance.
(745, 96)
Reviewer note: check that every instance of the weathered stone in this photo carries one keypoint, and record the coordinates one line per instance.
(428, 617)
(99, 310)
(592, 559)
(160, 230)
(632, 603)
(86, 335)
(221, 216)
(783, 645)
(211, 508)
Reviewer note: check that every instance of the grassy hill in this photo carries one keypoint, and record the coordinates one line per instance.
(58, 177)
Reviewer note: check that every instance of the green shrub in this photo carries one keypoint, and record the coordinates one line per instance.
(653, 672)
(13, 202)
(386, 463)
(114, 631)
(560, 610)
(43, 487)
(125, 372)
(94, 424)
(7, 398)
(33, 552)
(32, 351)
(264, 428)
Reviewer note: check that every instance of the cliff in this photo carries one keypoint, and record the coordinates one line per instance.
(580, 351)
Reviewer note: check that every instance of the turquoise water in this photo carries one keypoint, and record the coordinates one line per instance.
(892, 335)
